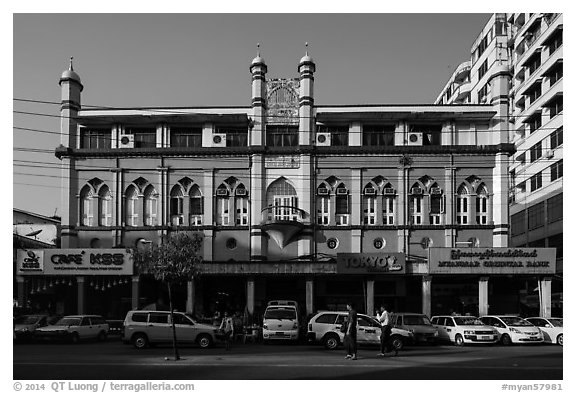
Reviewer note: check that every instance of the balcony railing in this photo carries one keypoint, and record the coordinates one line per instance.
(275, 214)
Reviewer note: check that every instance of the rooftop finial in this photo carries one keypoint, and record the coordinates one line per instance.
(258, 50)
(306, 49)
(71, 65)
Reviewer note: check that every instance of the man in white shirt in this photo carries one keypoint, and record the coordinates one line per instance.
(385, 320)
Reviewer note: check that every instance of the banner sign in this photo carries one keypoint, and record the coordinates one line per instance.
(492, 261)
(75, 262)
(379, 263)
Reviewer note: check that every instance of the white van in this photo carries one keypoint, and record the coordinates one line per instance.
(281, 321)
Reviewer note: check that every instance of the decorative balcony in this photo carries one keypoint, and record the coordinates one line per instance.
(282, 223)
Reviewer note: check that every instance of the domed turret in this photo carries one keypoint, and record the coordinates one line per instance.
(306, 58)
(258, 60)
(70, 75)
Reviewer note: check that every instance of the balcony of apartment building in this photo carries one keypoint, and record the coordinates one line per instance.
(283, 220)
(535, 33)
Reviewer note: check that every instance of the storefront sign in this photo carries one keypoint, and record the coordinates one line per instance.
(75, 261)
(282, 162)
(492, 261)
(388, 263)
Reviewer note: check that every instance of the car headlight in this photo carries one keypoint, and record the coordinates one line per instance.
(411, 331)
(514, 330)
(436, 333)
(468, 331)
(265, 326)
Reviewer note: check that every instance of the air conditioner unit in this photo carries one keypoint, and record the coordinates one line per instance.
(323, 191)
(323, 139)
(219, 140)
(341, 191)
(126, 141)
(417, 191)
(435, 191)
(389, 191)
(241, 191)
(369, 191)
(415, 139)
(221, 192)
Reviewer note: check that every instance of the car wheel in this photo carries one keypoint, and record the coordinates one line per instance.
(140, 341)
(74, 338)
(560, 339)
(331, 341)
(101, 336)
(459, 340)
(506, 340)
(397, 342)
(204, 341)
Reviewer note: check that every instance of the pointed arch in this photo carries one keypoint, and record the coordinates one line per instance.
(196, 205)
(388, 204)
(87, 205)
(482, 204)
(281, 193)
(131, 205)
(150, 206)
(105, 206)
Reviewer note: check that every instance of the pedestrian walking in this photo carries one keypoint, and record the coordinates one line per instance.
(227, 326)
(351, 332)
(385, 320)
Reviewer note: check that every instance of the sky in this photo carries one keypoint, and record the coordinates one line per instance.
(180, 60)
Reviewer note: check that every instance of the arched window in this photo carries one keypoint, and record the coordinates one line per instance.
(282, 195)
(436, 205)
(415, 201)
(241, 203)
(369, 204)
(388, 200)
(196, 206)
(462, 202)
(105, 206)
(342, 205)
(481, 205)
(222, 205)
(150, 206)
(131, 206)
(86, 206)
(323, 204)
(177, 206)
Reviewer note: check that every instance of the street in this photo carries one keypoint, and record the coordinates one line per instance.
(114, 360)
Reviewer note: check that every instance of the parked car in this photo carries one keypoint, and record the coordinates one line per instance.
(551, 328)
(75, 328)
(281, 321)
(513, 329)
(143, 328)
(418, 324)
(325, 328)
(461, 330)
(26, 325)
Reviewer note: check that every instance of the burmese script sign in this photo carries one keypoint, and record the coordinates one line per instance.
(75, 261)
(388, 263)
(282, 162)
(492, 260)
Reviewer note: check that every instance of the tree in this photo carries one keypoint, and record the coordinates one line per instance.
(173, 261)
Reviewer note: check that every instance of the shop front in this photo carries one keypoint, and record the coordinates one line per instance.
(70, 281)
(481, 281)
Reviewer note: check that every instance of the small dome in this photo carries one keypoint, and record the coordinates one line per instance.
(258, 60)
(306, 59)
(70, 74)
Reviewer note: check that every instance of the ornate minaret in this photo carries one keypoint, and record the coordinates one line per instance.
(258, 70)
(71, 89)
(306, 69)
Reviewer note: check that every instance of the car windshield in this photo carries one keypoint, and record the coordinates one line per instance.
(467, 321)
(416, 320)
(515, 321)
(28, 319)
(68, 322)
(279, 313)
(556, 322)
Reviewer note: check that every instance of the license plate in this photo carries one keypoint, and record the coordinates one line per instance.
(485, 338)
(280, 333)
(534, 338)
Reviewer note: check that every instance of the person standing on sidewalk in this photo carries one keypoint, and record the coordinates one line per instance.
(385, 320)
(351, 332)
(227, 326)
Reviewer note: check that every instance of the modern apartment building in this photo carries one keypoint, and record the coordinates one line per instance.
(530, 44)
